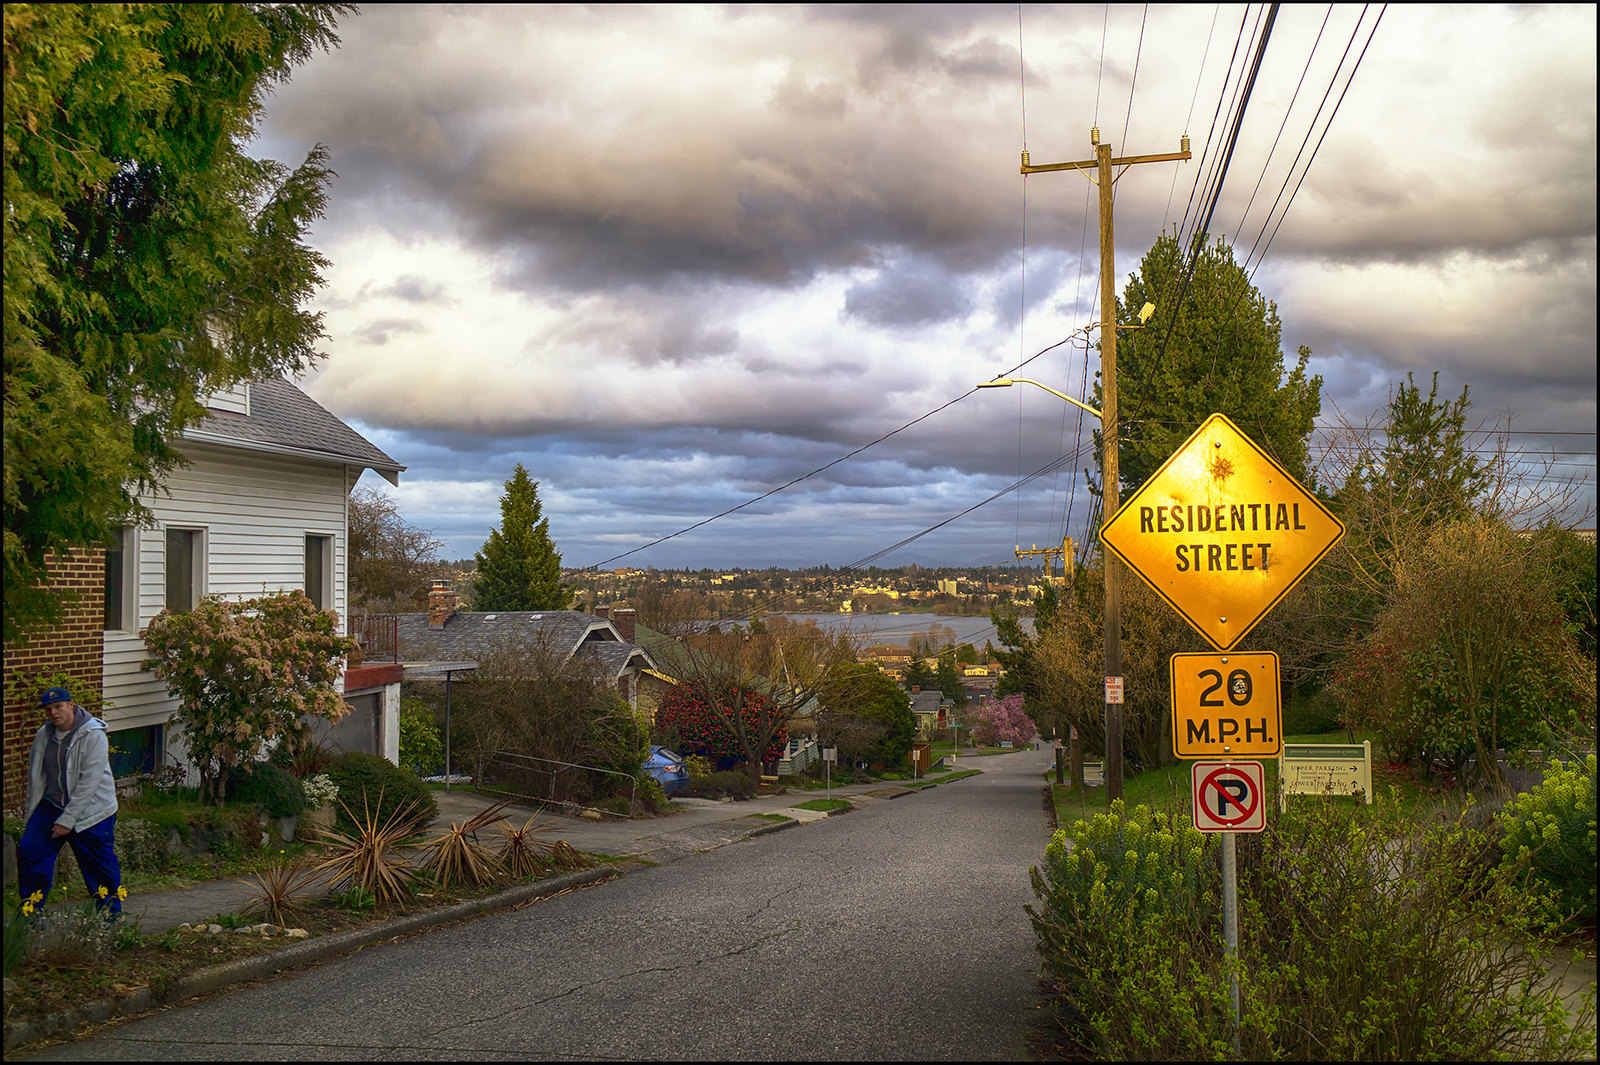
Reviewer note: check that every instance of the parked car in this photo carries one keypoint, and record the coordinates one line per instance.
(668, 770)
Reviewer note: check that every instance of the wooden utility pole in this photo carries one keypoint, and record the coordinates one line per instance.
(1111, 499)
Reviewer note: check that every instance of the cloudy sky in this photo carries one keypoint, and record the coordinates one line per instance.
(673, 258)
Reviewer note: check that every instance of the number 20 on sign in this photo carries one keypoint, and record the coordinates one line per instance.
(1226, 705)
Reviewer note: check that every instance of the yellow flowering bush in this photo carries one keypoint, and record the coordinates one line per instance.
(1552, 830)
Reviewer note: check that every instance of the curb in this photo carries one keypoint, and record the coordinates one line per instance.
(216, 977)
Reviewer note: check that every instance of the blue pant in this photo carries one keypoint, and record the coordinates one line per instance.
(38, 849)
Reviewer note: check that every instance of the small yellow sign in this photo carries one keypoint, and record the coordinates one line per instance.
(1226, 705)
(1221, 532)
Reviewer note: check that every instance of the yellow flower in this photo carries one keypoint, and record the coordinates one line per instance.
(37, 896)
(27, 908)
(122, 892)
(104, 891)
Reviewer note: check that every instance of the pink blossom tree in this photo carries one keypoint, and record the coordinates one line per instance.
(1002, 721)
(246, 674)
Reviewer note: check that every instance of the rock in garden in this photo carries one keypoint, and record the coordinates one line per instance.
(297, 933)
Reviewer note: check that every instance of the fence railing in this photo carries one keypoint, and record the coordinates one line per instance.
(797, 756)
(545, 780)
(378, 635)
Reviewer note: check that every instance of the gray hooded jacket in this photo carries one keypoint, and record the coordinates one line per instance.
(91, 789)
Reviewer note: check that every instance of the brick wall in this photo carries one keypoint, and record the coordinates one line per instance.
(76, 648)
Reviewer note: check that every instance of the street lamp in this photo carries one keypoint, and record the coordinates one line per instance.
(1113, 596)
(1007, 382)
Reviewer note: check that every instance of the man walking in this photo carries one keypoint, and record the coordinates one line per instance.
(72, 799)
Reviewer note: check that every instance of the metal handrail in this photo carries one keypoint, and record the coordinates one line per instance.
(511, 756)
(378, 634)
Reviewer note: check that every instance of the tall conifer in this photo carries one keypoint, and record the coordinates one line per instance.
(519, 567)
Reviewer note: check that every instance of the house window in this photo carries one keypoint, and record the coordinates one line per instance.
(319, 571)
(121, 580)
(185, 559)
(134, 750)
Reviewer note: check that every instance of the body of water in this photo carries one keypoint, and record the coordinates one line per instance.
(900, 628)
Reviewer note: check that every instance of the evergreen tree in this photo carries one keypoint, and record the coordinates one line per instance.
(1223, 355)
(149, 260)
(519, 567)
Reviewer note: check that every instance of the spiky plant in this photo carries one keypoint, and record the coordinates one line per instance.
(280, 891)
(373, 856)
(457, 857)
(522, 853)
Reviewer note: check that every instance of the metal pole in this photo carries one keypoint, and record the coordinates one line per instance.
(447, 730)
(1111, 499)
(1230, 922)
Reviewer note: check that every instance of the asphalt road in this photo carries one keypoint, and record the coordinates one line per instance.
(892, 932)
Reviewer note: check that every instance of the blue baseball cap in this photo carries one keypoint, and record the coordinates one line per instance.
(54, 695)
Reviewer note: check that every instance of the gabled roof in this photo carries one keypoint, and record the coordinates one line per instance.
(926, 702)
(470, 634)
(284, 420)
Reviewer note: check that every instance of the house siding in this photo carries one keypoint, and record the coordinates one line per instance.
(255, 511)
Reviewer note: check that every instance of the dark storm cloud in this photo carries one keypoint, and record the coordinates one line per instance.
(672, 258)
(915, 293)
(378, 333)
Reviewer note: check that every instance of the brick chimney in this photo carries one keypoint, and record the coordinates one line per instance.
(915, 688)
(602, 612)
(441, 604)
(623, 617)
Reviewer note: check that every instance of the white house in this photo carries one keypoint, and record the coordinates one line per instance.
(262, 507)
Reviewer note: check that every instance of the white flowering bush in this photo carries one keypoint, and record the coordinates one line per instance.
(320, 791)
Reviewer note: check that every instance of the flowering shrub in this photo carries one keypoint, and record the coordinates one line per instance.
(1003, 721)
(245, 674)
(320, 791)
(1552, 828)
(715, 719)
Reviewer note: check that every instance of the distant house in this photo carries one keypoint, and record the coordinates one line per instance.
(445, 634)
(928, 707)
(261, 506)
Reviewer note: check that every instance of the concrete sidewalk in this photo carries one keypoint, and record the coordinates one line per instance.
(695, 825)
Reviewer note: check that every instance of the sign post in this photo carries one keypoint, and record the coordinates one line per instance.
(1229, 797)
(830, 755)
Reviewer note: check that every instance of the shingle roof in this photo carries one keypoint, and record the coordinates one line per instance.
(471, 634)
(283, 418)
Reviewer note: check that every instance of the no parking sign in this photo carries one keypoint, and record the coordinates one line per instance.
(1228, 796)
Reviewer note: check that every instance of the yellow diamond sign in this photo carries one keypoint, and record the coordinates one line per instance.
(1222, 532)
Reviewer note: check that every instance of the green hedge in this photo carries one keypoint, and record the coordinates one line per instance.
(729, 783)
(367, 781)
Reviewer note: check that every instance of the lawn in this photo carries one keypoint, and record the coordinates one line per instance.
(1168, 788)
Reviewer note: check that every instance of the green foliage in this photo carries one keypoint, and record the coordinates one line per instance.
(246, 674)
(1362, 937)
(421, 746)
(274, 787)
(533, 699)
(1217, 350)
(367, 781)
(728, 784)
(866, 715)
(1551, 830)
(149, 260)
(1572, 560)
(141, 845)
(1471, 655)
(717, 720)
(519, 567)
